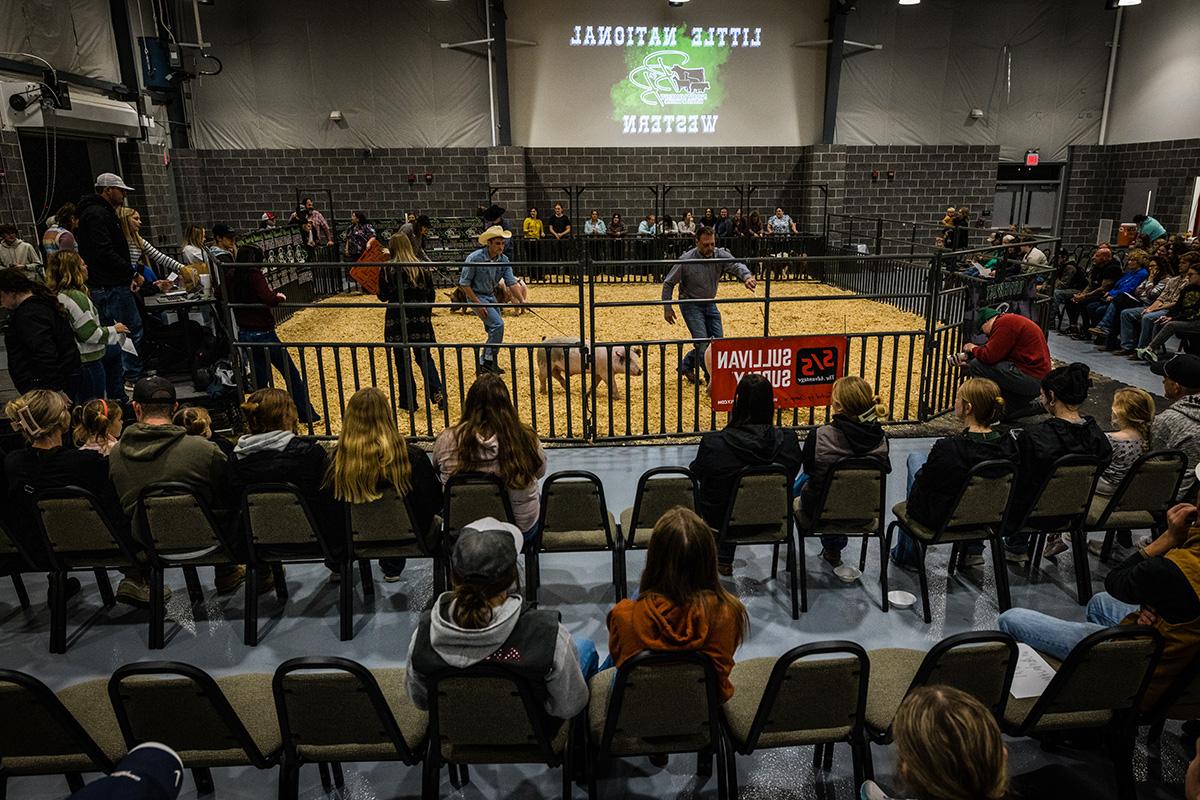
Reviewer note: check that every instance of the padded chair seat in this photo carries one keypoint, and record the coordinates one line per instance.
(1016, 710)
(413, 724)
(601, 688)
(1120, 519)
(88, 703)
(116, 561)
(641, 536)
(892, 672)
(749, 679)
(804, 523)
(251, 699)
(579, 540)
(924, 533)
(411, 550)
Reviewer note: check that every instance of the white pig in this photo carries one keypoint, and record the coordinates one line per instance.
(565, 360)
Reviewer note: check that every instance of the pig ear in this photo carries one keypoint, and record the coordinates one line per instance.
(618, 353)
(637, 349)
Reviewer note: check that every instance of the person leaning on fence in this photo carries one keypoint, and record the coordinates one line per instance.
(485, 268)
(483, 619)
(697, 273)
(246, 284)
(594, 226)
(750, 439)
(416, 278)
(1016, 357)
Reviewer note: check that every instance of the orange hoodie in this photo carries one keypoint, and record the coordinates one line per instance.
(653, 622)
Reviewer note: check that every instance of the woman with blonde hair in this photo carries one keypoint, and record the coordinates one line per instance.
(372, 457)
(143, 255)
(193, 246)
(100, 373)
(414, 282)
(491, 438)
(853, 432)
(681, 604)
(948, 747)
(934, 479)
(43, 418)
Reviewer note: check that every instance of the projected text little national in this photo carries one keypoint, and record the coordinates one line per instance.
(662, 36)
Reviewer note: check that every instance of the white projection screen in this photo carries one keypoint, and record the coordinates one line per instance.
(627, 73)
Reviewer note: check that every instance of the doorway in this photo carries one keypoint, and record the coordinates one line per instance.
(60, 169)
(1028, 197)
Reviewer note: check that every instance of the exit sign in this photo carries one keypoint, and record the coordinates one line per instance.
(1031, 158)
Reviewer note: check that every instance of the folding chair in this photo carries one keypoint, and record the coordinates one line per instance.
(372, 718)
(13, 562)
(1141, 499)
(1100, 685)
(658, 490)
(574, 518)
(978, 513)
(226, 722)
(471, 496)
(46, 734)
(78, 536)
(179, 531)
(804, 697)
(656, 702)
(851, 502)
(760, 513)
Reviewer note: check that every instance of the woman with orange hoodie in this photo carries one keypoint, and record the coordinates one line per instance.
(681, 604)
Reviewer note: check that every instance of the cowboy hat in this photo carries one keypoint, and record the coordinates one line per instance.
(492, 233)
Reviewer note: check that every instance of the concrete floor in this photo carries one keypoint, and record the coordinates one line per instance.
(577, 586)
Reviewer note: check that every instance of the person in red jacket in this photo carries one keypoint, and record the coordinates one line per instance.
(1016, 356)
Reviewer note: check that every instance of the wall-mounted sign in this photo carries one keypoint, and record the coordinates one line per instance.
(801, 369)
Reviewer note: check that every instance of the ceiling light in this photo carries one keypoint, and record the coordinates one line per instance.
(910, 2)
(1112, 5)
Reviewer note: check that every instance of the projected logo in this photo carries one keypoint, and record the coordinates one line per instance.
(664, 79)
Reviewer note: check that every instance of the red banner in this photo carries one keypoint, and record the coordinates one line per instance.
(801, 368)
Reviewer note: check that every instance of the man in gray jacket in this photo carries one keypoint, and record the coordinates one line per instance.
(698, 281)
(1178, 428)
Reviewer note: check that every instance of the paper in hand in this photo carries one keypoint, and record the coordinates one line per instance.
(127, 346)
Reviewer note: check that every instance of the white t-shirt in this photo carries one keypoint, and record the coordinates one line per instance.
(192, 254)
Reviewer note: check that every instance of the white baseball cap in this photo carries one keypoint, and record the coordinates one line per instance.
(107, 179)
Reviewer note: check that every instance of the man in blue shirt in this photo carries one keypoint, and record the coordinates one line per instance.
(697, 277)
(1149, 226)
(487, 266)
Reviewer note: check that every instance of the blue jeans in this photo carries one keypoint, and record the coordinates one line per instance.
(406, 386)
(1137, 327)
(263, 358)
(1095, 311)
(91, 382)
(493, 325)
(589, 659)
(116, 304)
(905, 551)
(703, 322)
(1057, 637)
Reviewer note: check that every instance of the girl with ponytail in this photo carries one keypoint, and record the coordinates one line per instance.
(853, 432)
(97, 425)
(934, 479)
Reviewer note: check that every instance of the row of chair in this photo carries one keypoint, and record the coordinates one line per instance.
(177, 529)
(327, 711)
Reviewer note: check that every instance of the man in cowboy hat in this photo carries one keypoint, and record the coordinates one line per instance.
(485, 268)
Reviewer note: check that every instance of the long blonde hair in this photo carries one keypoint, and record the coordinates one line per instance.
(370, 451)
(983, 396)
(400, 248)
(949, 746)
(1135, 407)
(855, 398)
(194, 236)
(125, 215)
(64, 271)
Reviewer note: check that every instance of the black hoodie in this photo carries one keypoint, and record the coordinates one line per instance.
(102, 244)
(42, 353)
(938, 482)
(842, 438)
(723, 453)
(1041, 445)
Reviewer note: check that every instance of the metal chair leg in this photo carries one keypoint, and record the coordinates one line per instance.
(1083, 570)
(803, 569)
(862, 555)
(203, 778)
(1003, 593)
(326, 783)
(22, 593)
(884, 565)
(339, 780)
(58, 612)
(953, 563)
(280, 578)
(105, 586)
(250, 624)
(158, 609)
(74, 781)
(1110, 536)
(924, 580)
(195, 592)
(774, 562)
(368, 581)
(828, 764)
(791, 566)
(531, 575)
(346, 602)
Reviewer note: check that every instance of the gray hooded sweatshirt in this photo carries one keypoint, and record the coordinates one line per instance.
(1178, 428)
(464, 647)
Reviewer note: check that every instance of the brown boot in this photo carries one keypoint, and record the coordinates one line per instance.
(229, 577)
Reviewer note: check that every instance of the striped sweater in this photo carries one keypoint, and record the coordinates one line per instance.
(90, 336)
(154, 258)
